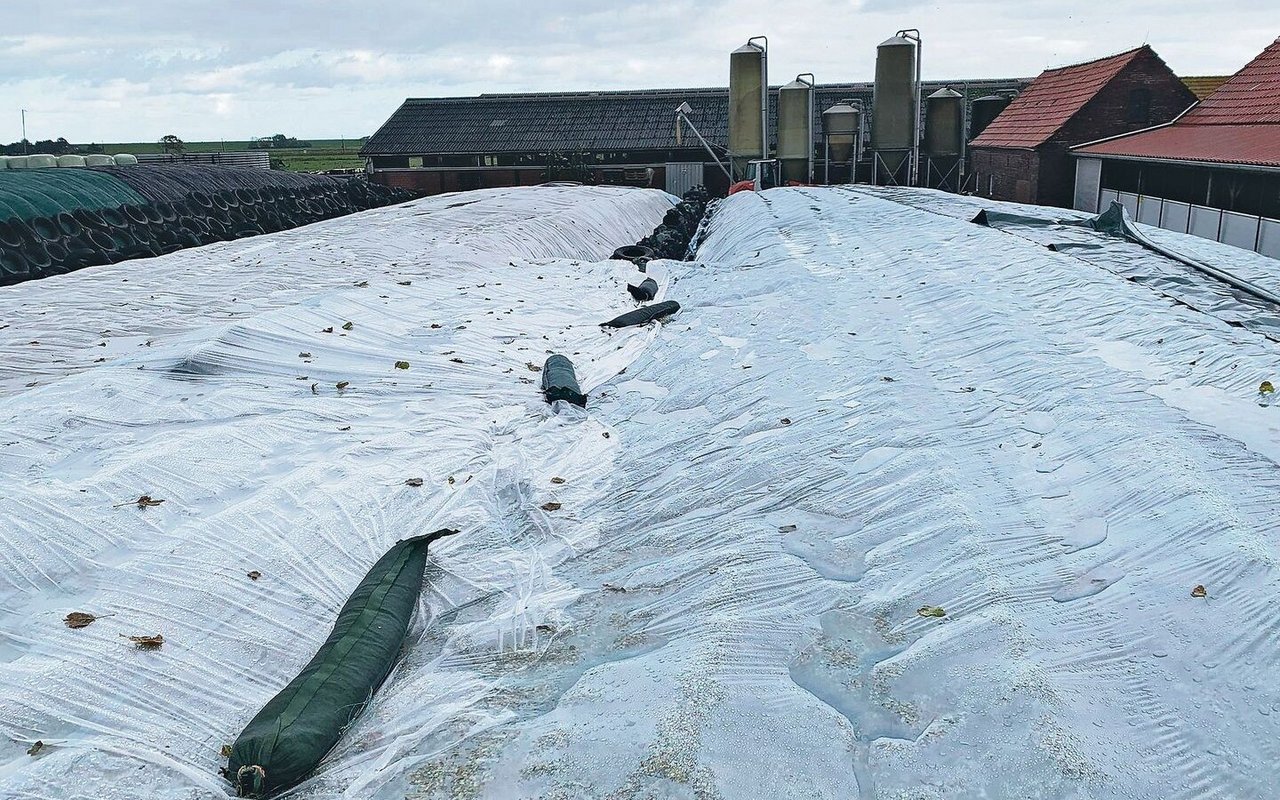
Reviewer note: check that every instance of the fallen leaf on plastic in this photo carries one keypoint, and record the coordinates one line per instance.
(146, 642)
(402, 365)
(931, 611)
(1266, 388)
(346, 326)
(557, 480)
(404, 283)
(786, 420)
(451, 480)
(413, 482)
(605, 434)
(253, 574)
(145, 501)
(457, 361)
(343, 384)
(345, 428)
(436, 325)
(786, 528)
(1199, 591)
(313, 388)
(552, 506)
(327, 330)
(361, 284)
(304, 355)
(80, 619)
(886, 379)
(35, 748)
(225, 751)
(609, 587)
(533, 367)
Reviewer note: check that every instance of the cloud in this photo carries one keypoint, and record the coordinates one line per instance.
(319, 69)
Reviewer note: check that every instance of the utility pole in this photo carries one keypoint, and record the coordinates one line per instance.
(24, 131)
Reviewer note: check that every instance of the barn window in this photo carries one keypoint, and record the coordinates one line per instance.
(1139, 107)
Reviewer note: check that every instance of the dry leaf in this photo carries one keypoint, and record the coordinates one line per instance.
(346, 326)
(457, 361)
(35, 748)
(225, 752)
(304, 355)
(361, 284)
(1199, 591)
(79, 619)
(557, 480)
(345, 428)
(402, 365)
(404, 283)
(413, 482)
(533, 367)
(254, 575)
(435, 325)
(786, 420)
(146, 501)
(451, 481)
(343, 384)
(313, 388)
(786, 528)
(886, 379)
(605, 434)
(931, 611)
(552, 506)
(146, 642)
(327, 330)
(1266, 388)
(609, 587)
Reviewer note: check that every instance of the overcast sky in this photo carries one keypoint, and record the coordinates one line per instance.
(134, 70)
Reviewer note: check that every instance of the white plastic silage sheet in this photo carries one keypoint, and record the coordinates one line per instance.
(863, 410)
(232, 417)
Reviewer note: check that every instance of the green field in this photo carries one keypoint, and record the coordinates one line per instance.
(323, 153)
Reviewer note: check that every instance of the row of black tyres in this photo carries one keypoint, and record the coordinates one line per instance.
(45, 246)
(671, 238)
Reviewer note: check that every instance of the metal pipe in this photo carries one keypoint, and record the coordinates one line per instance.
(812, 84)
(764, 94)
(682, 113)
(913, 169)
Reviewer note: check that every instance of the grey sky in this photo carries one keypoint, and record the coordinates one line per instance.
(131, 70)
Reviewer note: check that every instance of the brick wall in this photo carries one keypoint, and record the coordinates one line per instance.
(1005, 174)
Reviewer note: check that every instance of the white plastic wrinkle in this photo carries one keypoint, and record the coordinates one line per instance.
(864, 408)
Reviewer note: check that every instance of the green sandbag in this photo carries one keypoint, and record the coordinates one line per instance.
(559, 382)
(301, 724)
(644, 315)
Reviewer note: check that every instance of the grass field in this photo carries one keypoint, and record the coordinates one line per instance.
(323, 153)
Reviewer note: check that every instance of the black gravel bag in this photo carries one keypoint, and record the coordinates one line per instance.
(647, 290)
(559, 382)
(642, 316)
(296, 729)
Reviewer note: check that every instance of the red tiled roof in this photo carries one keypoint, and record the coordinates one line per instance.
(1250, 96)
(1232, 144)
(1237, 124)
(1051, 100)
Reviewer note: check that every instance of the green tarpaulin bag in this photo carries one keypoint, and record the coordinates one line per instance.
(559, 382)
(296, 729)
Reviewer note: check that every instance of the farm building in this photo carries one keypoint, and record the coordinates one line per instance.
(447, 144)
(1214, 171)
(1023, 155)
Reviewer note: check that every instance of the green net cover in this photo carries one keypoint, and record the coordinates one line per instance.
(29, 193)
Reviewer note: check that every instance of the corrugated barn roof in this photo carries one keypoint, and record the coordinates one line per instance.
(588, 121)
